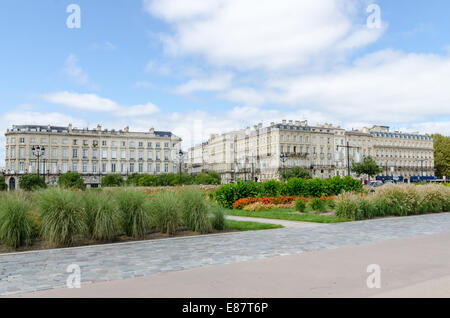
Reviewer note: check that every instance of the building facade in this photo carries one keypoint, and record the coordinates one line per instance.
(262, 153)
(91, 152)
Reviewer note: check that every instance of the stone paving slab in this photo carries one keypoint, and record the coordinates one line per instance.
(40, 270)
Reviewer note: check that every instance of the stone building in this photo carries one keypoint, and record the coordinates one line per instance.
(262, 153)
(91, 152)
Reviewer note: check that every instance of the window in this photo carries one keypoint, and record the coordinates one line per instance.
(85, 153)
(149, 155)
(104, 143)
(122, 155)
(123, 143)
(104, 154)
(64, 141)
(141, 167)
(21, 167)
(84, 169)
(114, 154)
(158, 145)
(113, 167)
(64, 153)
(131, 154)
(158, 168)
(131, 143)
(122, 168)
(103, 167)
(22, 140)
(166, 155)
(85, 142)
(149, 144)
(131, 167)
(141, 155)
(64, 167)
(141, 144)
(74, 142)
(94, 167)
(149, 168)
(166, 145)
(54, 141)
(74, 153)
(158, 157)
(74, 167)
(94, 153)
(113, 143)
(54, 153)
(21, 152)
(95, 143)
(166, 168)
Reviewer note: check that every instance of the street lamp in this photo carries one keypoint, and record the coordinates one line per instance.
(180, 156)
(38, 152)
(283, 158)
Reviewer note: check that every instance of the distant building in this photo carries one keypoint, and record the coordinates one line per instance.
(264, 152)
(91, 152)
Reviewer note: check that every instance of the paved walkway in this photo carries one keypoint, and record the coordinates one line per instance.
(411, 267)
(41, 270)
(285, 223)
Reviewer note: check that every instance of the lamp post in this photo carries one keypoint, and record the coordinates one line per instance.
(180, 157)
(38, 152)
(283, 158)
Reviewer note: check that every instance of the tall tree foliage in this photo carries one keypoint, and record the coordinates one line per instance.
(367, 167)
(441, 155)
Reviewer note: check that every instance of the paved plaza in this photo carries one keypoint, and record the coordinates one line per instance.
(43, 270)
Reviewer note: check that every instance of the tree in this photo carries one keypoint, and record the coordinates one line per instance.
(30, 182)
(112, 180)
(3, 185)
(296, 172)
(368, 166)
(441, 155)
(211, 177)
(71, 180)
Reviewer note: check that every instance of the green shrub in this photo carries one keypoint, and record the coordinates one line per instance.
(3, 185)
(166, 212)
(317, 205)
(134, 212)
(101, 216)
(194, 211)
(30, 182)
(300, 205)
(112, 180)
(71, 180)
(62, 216)
(16, 223)
(217, 216)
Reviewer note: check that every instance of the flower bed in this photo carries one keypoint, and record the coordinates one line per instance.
(241, 203)
(267, 203)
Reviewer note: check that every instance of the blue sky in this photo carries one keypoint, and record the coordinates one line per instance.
(213, 66)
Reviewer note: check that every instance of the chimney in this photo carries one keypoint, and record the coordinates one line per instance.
(70, 127)
(99, 127)
(126, 129)
(284, 121)
(152, 131)
(260, 125)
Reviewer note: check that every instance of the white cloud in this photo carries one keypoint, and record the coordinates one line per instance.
(387, 86)
(218, 82)
(262, 34)
(74, 71)
(95, 103)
